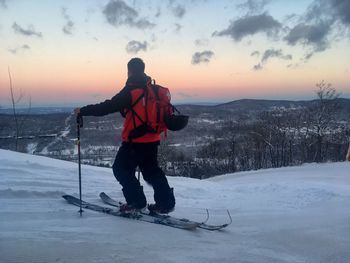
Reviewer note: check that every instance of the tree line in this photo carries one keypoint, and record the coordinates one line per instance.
(278, 138)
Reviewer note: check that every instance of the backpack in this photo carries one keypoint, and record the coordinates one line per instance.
(151, 105)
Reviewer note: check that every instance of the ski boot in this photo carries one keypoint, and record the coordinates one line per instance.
(165, 205)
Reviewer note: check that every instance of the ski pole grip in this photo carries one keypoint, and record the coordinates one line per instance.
(80, 120)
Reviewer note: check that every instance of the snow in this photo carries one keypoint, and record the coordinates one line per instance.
(294, 214)
(63, 134)
(31, 147)
(209, 121)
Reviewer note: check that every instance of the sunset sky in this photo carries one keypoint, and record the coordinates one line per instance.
(70, 53)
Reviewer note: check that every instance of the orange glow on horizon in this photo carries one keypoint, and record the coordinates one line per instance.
(74, 82)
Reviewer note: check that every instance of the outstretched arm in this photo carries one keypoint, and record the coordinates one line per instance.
(115, 104)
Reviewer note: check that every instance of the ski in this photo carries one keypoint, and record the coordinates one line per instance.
(108, 200)
(167, 221)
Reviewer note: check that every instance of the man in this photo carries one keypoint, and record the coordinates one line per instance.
(141, 151)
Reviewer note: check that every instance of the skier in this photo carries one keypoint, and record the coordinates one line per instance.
(140, 150)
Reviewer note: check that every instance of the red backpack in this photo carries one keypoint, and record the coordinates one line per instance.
(145, 119)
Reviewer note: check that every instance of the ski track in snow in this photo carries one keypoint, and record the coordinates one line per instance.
(294, 214)
(63, 134)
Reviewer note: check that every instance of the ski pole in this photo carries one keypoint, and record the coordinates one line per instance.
(79, 125)
(138, 173)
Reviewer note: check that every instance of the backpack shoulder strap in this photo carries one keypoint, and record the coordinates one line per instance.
(133, 112)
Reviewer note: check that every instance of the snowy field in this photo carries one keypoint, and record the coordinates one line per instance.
(296, 214)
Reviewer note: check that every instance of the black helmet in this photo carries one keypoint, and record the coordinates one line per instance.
(176, 122)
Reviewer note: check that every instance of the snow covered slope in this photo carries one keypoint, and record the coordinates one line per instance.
(296, 214)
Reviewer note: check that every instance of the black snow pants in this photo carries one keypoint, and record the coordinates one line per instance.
(143, 155)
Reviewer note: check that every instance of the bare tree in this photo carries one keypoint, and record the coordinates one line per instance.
(347, 158)
(322, 115)
(15, 100)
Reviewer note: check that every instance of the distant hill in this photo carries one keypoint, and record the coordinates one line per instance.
(237, 106)
(260, 105)
(37, 110)
(252, 106)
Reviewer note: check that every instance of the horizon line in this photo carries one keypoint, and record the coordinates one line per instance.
(197, 103)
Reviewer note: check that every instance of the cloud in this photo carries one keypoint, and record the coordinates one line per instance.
(322, 22)
(268, 54)
(134, 46)
(308, 56)
(318, 26)
(341, 9)
(158, 14)
(253, 6)
(179, 11)
(68, 27)
(275, 53)
(15, 50)
(177, 27)
(255, 53)
(26, 32)
(331, 10)
(293, 66)
(250, 25)
(119, 13)
(202, 57)
(313, 35)
(257, 67)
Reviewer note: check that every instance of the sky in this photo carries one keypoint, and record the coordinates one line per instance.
(72, 53)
